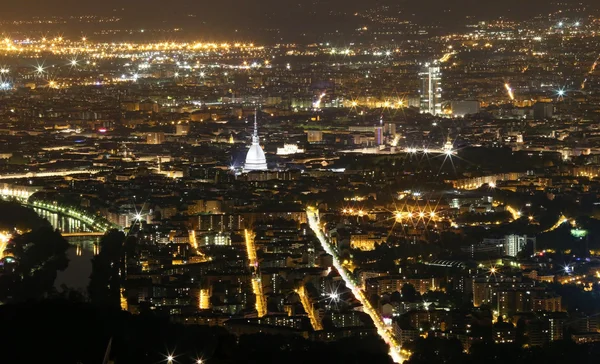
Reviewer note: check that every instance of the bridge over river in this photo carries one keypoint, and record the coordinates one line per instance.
(82, 229)
(84, 239)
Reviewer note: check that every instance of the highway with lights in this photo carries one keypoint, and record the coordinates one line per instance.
(384, 332)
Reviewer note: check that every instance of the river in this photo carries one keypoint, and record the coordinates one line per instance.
(77, 274)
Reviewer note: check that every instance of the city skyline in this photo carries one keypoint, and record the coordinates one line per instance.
(324, 181)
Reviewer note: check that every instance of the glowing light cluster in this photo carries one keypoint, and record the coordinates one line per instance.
(317, 104)
(515, 214)
(509, 89)
(413, 214)
(354, 212)
(4, 239)
(446, 57)
(591, 71)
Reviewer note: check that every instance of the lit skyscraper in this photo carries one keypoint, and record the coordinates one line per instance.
(379, 135)
(431, 88)
(379, 132)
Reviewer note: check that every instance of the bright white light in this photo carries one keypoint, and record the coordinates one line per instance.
(74, 62)
(202, 74)
(560, 24)
(448, 152)
(170, 358)
(334, 296)
(138, 216)
(199, 361)
(509, 89)
(577, 24)
(492, 185)
(561, 92)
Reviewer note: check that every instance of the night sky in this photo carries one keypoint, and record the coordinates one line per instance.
(239, 8)
(291, 20)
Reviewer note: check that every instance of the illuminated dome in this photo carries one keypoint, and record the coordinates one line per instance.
(255, 159)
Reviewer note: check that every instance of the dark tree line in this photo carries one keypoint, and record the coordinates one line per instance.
(449, 351)
(15, 216)
(58, 331)
(37, 256)
(108, 270)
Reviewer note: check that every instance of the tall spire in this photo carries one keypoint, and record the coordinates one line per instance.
(255, 134)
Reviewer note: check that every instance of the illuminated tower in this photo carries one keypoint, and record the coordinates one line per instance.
(379, 132)
(255, 159)
(379, 135)
(431, 88)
